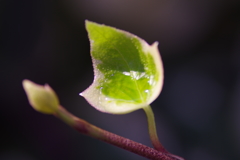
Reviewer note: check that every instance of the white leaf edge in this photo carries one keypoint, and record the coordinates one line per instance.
(105, 104)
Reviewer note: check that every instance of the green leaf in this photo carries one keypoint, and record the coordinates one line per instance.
(128, 73)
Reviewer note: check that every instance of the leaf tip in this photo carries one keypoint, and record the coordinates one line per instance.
(87, 21)
(89, 24)
(81, 94)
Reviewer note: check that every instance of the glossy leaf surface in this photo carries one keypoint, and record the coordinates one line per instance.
(128, 73)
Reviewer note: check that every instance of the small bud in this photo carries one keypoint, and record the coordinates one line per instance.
(41, 98)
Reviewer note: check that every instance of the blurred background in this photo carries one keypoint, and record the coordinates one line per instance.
(197, 113)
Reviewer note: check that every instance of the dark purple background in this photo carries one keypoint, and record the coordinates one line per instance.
(197, 113)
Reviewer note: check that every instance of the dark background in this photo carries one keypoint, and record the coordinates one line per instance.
(197, 113)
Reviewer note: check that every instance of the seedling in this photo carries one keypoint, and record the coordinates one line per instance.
(128, 75)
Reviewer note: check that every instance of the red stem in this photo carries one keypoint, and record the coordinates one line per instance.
(88, 129)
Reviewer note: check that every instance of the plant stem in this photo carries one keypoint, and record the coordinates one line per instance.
(152, 130)
(88, 129)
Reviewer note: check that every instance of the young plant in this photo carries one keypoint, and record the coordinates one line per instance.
(128, 75)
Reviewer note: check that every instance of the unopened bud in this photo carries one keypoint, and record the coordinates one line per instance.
(41, 97)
